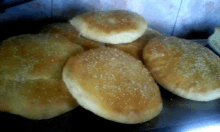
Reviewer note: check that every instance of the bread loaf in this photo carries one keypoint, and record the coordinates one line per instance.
(31, 82)
(113, 27)
(185, 68)
(113, 85)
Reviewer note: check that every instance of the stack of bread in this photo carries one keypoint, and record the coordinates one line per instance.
(107, 81)
(108, 62)
(124, 30)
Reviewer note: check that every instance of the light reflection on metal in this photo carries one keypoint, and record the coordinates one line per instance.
(213, 128)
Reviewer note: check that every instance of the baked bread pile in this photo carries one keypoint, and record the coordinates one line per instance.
(108, 62)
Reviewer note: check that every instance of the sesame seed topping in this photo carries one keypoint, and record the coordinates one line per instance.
(195, 65)
(115, 77)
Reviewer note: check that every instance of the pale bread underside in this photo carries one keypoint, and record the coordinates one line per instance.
(136, 47)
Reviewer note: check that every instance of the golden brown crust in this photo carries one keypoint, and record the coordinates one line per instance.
(108, 21)
(68, 31)
(136, 47)
(113, 85)
(151, 33)
(31, 75)
(36, 99)
(113, 27)
(184, 68)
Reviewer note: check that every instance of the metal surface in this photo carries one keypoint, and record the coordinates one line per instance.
(179, 113)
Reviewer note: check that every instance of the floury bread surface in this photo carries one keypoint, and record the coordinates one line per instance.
(68, 31)
(185, 68)
(31, 82)
(113, 85)
(113, 27)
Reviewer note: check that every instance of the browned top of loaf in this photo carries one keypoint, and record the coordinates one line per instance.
(31, 75)
(68, 31)
(116, 81)
(116, 20)
(182, 64)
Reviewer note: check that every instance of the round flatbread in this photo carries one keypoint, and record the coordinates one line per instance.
(113, 85)
(114, 27)
(31, 82)
(185, 68)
